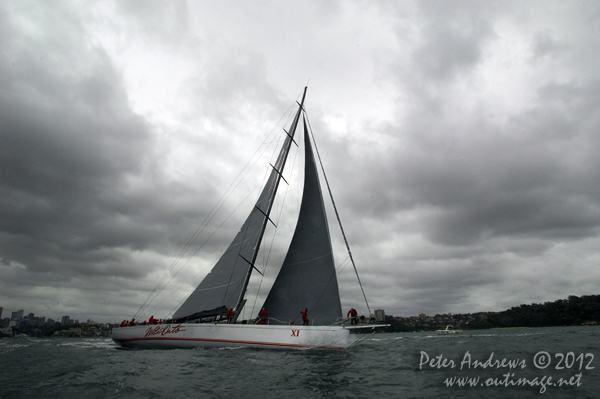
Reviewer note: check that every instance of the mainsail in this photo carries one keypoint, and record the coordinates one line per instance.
(307, 279)
(224, 287)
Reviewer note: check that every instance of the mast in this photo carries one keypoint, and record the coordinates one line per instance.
(225, 285)
(278, 169)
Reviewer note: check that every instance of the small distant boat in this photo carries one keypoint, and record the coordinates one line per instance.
(306, 280)
(448, 330)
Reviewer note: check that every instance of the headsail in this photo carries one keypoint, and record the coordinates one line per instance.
(225, 285)
(307, 278)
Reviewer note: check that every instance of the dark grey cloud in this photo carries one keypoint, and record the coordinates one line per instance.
(460, 140)
(453, 36)
(504, 189)
(80, 187)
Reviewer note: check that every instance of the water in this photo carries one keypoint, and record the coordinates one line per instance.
(384, 365)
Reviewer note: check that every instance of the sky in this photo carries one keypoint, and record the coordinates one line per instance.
(460, 139)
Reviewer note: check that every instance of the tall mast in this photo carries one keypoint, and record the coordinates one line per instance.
(278, 171)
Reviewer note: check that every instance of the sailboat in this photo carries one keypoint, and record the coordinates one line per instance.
(306, 281)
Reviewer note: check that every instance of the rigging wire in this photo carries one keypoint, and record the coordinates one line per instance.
(157, 290)
(200, 247)
(159, 287)
(336, 213)
(261, 184)
(340, 269)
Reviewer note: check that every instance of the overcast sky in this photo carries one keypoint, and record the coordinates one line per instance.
(461, 140)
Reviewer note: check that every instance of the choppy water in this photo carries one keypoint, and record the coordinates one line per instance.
(385, 365)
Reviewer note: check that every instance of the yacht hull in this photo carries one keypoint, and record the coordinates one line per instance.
(174, 336)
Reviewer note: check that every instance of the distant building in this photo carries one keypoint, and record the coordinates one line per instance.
(65, 320)
(18, 315)
(1, 309)
(379, 315)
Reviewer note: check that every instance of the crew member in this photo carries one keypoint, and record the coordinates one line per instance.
(352, 313)
(263, 316)
(229, 315)
(132, 323)
(304, 314)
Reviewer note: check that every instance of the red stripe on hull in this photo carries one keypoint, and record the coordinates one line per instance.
(224, 341)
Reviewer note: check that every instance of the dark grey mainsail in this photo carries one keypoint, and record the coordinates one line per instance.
(307, 278)
(224, 287)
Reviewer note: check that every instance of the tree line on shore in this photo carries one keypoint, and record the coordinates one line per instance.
(563, 312)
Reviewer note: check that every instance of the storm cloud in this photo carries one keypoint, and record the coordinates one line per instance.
(460, 139)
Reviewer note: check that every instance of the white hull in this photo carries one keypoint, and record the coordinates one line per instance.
(172, 336)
